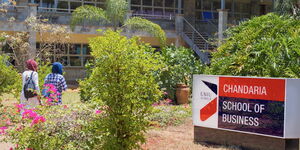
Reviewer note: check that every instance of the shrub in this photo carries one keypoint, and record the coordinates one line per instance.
(123, 80)
(43, 70)
(181, 64)
(266, 46)
(52, 128)
(10, 78)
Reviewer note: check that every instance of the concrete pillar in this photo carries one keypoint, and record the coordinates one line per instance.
(179, 23)
(128, 16)
(179, 27)
(129, 5)
(32, 11)
(179, 6)
(223, 18)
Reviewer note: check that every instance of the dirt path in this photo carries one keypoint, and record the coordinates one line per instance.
(4, 146)
(176, 138)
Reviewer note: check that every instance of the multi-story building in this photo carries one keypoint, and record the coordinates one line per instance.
(186, 22)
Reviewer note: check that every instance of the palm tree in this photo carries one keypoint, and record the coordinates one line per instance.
(287, 7)
(114, 14)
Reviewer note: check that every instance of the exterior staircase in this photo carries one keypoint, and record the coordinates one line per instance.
(199, 42)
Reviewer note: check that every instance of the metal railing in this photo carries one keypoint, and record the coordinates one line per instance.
(197, 41)
(150, 16)
(166, 22)
(200, 39)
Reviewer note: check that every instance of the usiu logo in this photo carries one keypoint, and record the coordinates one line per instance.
(211, 108)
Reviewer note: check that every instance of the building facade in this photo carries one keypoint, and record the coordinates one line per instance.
(186, 22)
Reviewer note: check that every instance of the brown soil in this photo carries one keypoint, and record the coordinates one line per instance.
(4, 146)
(176, 138)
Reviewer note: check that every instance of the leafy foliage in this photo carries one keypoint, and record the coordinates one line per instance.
(43, 70)
(181, 64)
(124, 82)
(87, 13)
(266, 46)
(115, 13)
(141, 24)
(287, 7)
(10, 77)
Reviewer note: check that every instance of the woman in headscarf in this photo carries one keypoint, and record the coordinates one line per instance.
(57, 81)
(30, 76)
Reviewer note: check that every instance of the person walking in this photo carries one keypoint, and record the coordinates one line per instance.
(56, 80)
(30, 85)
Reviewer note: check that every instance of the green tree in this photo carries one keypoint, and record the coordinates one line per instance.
(124, 82)
(266, 46)
(114, 14)
(287, 7)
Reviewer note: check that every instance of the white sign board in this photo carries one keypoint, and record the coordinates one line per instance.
(263, 106)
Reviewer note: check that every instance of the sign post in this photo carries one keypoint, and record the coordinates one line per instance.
(260, 108)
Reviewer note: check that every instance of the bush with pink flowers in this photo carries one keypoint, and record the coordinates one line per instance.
(52, 128)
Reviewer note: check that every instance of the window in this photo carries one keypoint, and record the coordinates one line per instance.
(91, 4)
(198, 4)
(158, 3)
(74, 5)
(72, 55)
(207, 5)
(148, 11)
(75, 49)
(75, 61)
(158, 11)
(63, 6)
(147, 2)
(100, 6)
(136, 10)
(86, 50)
(136, 2)
(169, 3)
(216, 5)
(63, 60)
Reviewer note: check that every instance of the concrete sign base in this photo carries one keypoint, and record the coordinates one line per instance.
(246, 141)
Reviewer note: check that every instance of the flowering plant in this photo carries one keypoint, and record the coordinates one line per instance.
(50, 94)
(55, 127)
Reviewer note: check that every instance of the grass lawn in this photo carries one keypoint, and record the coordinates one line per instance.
(69, 97)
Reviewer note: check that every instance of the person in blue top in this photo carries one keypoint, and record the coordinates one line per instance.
(57, 80)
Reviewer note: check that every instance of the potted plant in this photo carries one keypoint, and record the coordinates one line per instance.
(176, 78)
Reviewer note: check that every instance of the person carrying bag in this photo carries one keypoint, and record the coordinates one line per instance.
(30, 86)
